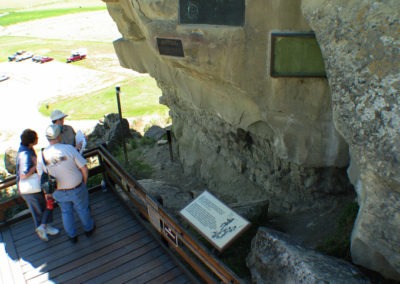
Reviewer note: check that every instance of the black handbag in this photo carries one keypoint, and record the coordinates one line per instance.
(48, 183)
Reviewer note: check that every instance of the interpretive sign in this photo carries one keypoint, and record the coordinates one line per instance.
(169, 46)
(214, 220)
(296, 55)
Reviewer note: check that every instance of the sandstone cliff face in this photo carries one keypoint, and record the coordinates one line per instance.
(254, 136)
(249, 135)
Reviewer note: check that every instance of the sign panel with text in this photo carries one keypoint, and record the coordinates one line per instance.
(170, 46)
(214, 220)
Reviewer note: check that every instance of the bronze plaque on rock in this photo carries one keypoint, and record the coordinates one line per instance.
(170, 47)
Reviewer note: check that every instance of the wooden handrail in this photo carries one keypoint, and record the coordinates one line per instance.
(206, 265)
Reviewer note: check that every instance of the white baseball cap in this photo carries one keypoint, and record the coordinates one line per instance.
(57, 114)
(52, 131)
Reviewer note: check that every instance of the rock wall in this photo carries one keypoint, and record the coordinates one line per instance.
(249, 135)
(360, 41)
(254, 136)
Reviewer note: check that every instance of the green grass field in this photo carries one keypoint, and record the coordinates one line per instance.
(12, 17)
(138, 97)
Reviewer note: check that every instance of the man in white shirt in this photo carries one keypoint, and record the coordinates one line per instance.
(69, 168)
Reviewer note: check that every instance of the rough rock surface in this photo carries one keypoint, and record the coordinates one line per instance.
(287, 140)
(276, 258)
(364, 36)
(238, 129)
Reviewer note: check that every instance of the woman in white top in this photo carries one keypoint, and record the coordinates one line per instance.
(29, 185)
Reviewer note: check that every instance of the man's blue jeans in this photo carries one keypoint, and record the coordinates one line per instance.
(78, 200)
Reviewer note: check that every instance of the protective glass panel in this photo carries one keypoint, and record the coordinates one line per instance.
(296, 55)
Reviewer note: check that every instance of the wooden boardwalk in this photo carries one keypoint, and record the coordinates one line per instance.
(121, 250)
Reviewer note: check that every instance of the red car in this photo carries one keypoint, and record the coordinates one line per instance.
(76, 57)
(45, 59)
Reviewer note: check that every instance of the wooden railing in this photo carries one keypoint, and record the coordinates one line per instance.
(195, 254)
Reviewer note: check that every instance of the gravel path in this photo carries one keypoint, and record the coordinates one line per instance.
(31, 83)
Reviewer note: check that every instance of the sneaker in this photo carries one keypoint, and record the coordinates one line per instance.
(41, 232)
(51, 230)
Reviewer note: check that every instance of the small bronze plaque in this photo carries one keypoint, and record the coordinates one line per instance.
(171, 47)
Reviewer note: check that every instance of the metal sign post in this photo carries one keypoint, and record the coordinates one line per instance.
(118, 90)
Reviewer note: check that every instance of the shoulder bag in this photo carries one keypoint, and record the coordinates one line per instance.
(48, 183)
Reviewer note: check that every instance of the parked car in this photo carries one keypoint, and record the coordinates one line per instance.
(77, 54)
(37, 58)
(4, 77)
(12, 57)
(76, 57)
(24, 56)
(46, 59)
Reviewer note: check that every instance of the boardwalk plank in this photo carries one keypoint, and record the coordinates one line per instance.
(172, 276)
(9, 260)
(121, 248)
(154, 269)
(101, 262)
(30, 240)
(75, 253)
(61, 242)
(181, 279)
(19, 229)
(112, 269)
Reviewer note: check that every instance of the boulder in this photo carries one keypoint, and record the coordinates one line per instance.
(111, 132)
(172, 198)
(10, 159)
(360, 43)
(277, 258)
(155, 132)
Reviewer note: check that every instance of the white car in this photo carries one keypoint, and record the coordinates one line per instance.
(24, 56)
(3, 77)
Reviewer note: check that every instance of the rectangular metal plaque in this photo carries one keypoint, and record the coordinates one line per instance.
(214, 220)
(171, 47)
(212, 12)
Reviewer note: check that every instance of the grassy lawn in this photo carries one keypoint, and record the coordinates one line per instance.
(12, 17)
(138, 97)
